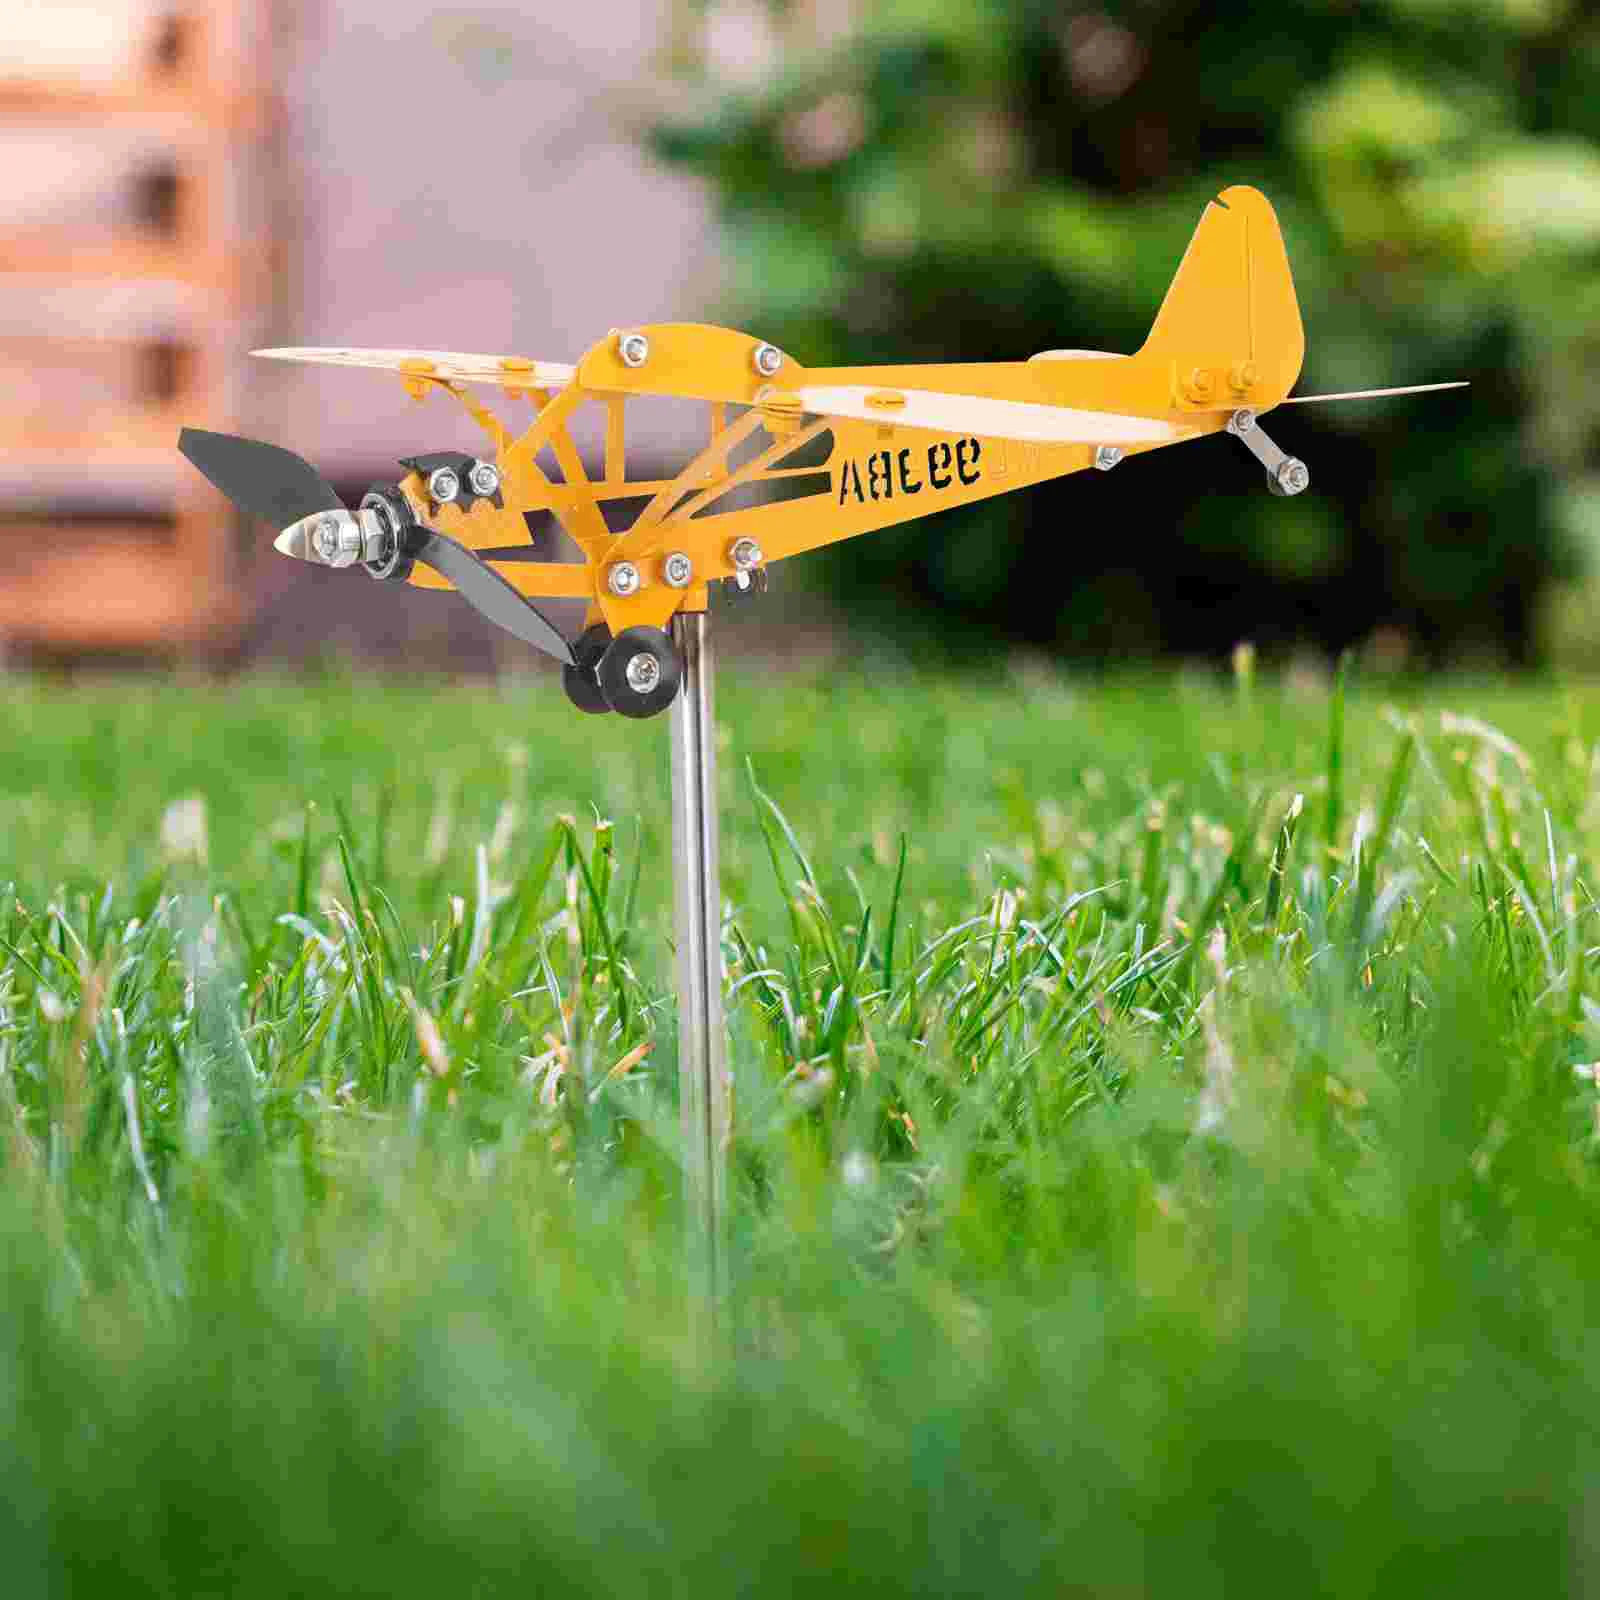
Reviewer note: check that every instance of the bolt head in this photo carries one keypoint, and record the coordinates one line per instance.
(768, 359)
(1107, 456)
(623, 579)
(1294, 476)
(677, 569)
(338, 540)
(327, 538)
(634, 349)
(643, 672)
(443, 485)
(1242, 421)
(745, 554)
(484, 478)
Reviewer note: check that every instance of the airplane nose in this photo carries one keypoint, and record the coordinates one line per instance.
(292, 542)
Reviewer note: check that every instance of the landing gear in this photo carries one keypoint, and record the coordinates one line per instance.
(637, 673)
(579, 680)
(640, 672)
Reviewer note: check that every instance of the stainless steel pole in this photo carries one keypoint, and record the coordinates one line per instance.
(697, 886)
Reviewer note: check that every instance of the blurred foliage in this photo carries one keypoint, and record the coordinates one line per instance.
(904, 180)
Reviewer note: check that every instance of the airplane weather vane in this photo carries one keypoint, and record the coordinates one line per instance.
(849, 450)
(815, 456)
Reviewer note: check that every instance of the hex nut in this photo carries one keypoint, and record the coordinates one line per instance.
(1107, 456)
(1293, 476)
(443, 485)
(484, 478)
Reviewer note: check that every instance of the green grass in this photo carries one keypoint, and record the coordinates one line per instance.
(1165, 1158)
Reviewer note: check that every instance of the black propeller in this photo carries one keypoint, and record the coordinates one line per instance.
(281, 488)
(267, 481)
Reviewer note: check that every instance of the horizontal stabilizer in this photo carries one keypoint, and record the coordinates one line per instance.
(1372, 394)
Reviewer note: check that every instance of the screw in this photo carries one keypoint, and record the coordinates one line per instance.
(484, 477)
(623, 579)
(327, 539)
(634, 349)
(1242, 421)
(1106, 456)
(443, 485)
(1293, 476)
(338, 540)
(643, 672)
(677, 569)
(745, 554)
(768, 359)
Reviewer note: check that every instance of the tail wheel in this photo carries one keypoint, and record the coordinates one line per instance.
(640, 672)
(579, 680)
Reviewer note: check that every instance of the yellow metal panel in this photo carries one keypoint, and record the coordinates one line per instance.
(691, 360)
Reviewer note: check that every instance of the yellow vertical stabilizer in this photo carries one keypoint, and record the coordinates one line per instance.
(1229, 329)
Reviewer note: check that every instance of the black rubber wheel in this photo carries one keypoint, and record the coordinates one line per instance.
(579, 680)
(640, 672)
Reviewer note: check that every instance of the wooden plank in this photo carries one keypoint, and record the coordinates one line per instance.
(109, 589)
(176, 108)
(46, 252)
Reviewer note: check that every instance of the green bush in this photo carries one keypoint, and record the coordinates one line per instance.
(983, 179)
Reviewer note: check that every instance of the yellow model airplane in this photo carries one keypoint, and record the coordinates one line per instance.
(831, 453)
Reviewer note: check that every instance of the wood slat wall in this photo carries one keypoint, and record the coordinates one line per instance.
(134, 257)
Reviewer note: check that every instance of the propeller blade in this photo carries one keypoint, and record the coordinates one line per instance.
(488, 593)
(267, 481)
(1371, 394)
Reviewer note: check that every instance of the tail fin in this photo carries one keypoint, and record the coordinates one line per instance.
(1229, 327)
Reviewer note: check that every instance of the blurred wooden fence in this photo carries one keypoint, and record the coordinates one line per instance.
(135, 237)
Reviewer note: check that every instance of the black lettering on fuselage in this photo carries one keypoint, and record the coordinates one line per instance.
(876, 476)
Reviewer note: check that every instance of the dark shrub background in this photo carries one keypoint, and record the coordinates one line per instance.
(983, 180)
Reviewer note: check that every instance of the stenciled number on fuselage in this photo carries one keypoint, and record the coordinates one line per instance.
(886, 473)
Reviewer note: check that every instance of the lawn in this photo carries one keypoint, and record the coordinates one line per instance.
(1165, 1157)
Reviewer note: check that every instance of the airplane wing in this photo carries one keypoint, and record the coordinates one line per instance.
(945, 412)
(506, 371)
